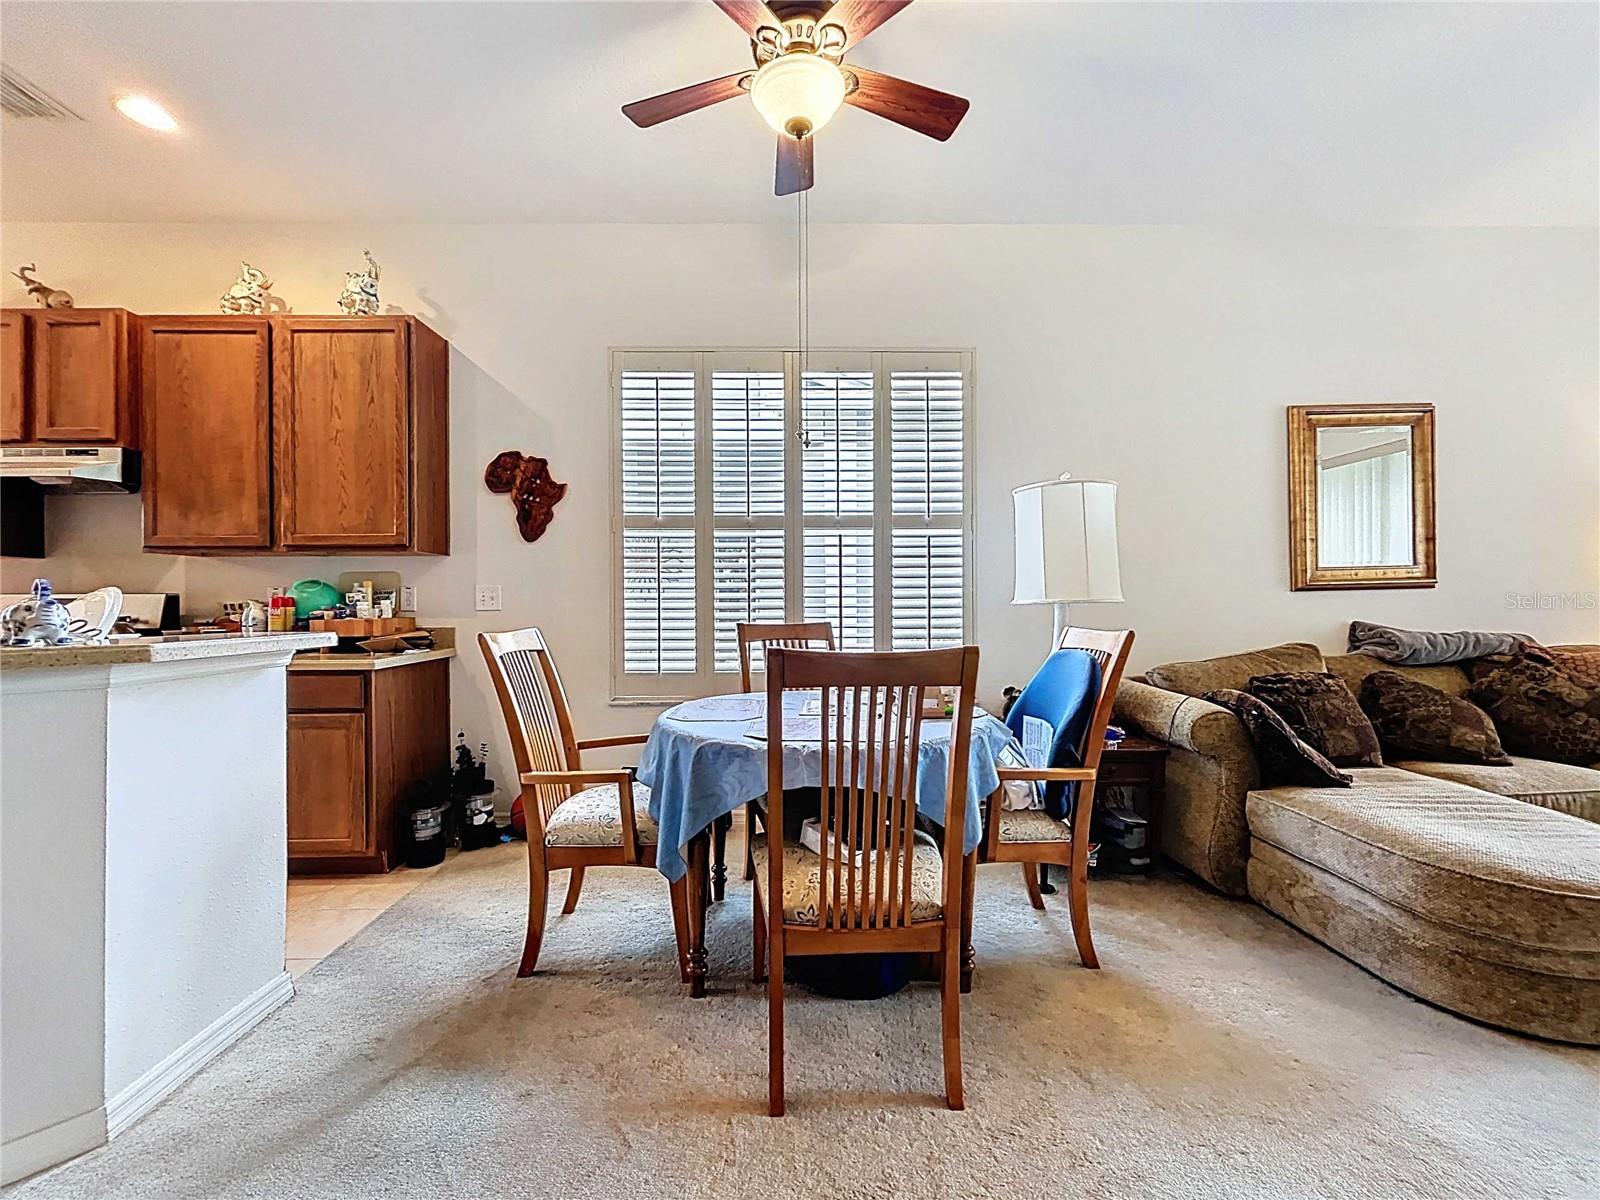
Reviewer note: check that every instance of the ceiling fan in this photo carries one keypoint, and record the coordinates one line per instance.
(801, 79)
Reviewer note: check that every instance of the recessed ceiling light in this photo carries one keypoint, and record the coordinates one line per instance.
(146, 112)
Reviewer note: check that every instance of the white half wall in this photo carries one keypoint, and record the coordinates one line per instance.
(1159, 357)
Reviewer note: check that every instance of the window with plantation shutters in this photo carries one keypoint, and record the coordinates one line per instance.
(750, 489)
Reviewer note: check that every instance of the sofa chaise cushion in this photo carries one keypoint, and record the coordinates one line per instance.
(1561, 786)
(1483, 864)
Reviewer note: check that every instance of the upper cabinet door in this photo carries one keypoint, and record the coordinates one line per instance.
(13, 376)
(204, 385)
(80, 375)
(342, 432)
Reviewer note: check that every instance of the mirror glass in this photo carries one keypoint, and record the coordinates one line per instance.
(1365, 516)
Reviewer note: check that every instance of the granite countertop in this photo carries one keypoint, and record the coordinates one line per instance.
(160, 650)
(314, 661)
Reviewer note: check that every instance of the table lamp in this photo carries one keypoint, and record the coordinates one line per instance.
(1066, 545)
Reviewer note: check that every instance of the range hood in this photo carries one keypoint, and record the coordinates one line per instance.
(73, 468)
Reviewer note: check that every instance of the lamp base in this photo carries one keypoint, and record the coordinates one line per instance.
(1062, 623)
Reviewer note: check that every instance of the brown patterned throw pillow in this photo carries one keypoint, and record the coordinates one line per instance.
(1323, 713)
(1285, 759)
(1581, 664)
(1414, 720)
(1539, 710)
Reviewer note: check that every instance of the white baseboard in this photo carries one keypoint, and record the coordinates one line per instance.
(33, 1152)
(156, 1084)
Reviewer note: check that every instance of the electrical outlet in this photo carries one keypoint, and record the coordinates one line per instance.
(488, 597)
(408, 599)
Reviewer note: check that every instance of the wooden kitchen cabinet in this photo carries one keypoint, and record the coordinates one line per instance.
(13, 375)
(328, 783)
(359, 742)
(319, 435)
(68, 377)
(206, 395)
(81, 388)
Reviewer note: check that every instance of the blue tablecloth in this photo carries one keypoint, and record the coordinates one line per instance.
(700, 770)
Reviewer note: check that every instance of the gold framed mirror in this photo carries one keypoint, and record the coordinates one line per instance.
(1361, 496)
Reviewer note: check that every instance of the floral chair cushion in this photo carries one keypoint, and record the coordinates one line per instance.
(1033, 826)
(802, 877)
(593, 817)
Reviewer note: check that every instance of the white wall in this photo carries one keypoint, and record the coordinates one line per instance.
(1159, 357)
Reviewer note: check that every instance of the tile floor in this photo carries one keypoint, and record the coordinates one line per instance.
(325, 911)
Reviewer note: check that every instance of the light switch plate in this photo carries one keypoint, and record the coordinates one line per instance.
(408, 599)
(488, 597)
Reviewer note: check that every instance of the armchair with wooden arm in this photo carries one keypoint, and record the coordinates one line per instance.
(1033, 837)
(576, 818)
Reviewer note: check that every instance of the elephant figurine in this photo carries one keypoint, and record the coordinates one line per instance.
(41, 620)
(248, 293)
(360, 295)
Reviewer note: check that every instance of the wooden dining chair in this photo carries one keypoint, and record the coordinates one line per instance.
(1032, 836)
(576, 818)
(795, 635)
(878, 885)
(779, 635)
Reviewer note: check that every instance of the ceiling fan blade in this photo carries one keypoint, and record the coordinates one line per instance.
(861, 17)
(910, 104)
(795, 167)
(664, 107)
(749, 15)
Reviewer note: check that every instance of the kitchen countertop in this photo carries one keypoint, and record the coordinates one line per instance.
(314, 661)
(160, 650)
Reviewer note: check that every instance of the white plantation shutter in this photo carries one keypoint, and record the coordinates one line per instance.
(838, 581)
(837, 409)
(928, 575)
(926, 445)
(747, 442)
(747, 585)
(658, 443)
(659, 619)
(658, 615)
(927, 547)
(723, 516)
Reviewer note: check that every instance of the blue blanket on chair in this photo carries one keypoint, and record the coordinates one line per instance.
(1062, 694)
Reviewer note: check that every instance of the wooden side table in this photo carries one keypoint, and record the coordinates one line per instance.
(1133, 762)
(1137, 763)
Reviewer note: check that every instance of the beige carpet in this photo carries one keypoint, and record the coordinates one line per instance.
(1218, 1054)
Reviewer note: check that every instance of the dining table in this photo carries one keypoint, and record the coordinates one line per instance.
(707, 758)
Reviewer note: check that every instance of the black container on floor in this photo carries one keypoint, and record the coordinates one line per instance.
(426, 836)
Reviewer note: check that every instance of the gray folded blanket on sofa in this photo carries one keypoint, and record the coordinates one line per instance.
(1416, 648)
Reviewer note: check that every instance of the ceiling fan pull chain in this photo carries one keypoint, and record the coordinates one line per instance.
(802, 274)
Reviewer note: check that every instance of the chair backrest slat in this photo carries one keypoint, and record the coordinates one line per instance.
(870, 726)
(534, 705)
(1109, 648)
(797, 635)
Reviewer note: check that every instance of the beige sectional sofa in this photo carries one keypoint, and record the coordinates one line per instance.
(1475, 888)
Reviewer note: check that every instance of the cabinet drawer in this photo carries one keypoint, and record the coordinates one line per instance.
(313, 691)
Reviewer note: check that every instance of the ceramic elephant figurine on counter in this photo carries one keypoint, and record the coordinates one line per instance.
(41, 620)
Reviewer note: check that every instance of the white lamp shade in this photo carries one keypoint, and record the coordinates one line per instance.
(1066, 542)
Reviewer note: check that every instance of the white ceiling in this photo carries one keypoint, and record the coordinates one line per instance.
(1191, 113)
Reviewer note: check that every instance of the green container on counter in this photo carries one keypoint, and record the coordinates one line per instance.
(313, 594)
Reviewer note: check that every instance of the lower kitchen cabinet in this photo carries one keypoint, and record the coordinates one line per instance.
(359, 741)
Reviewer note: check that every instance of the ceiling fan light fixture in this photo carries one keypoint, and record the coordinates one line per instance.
(798, 93)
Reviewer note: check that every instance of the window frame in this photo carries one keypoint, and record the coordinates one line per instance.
(655, 690)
